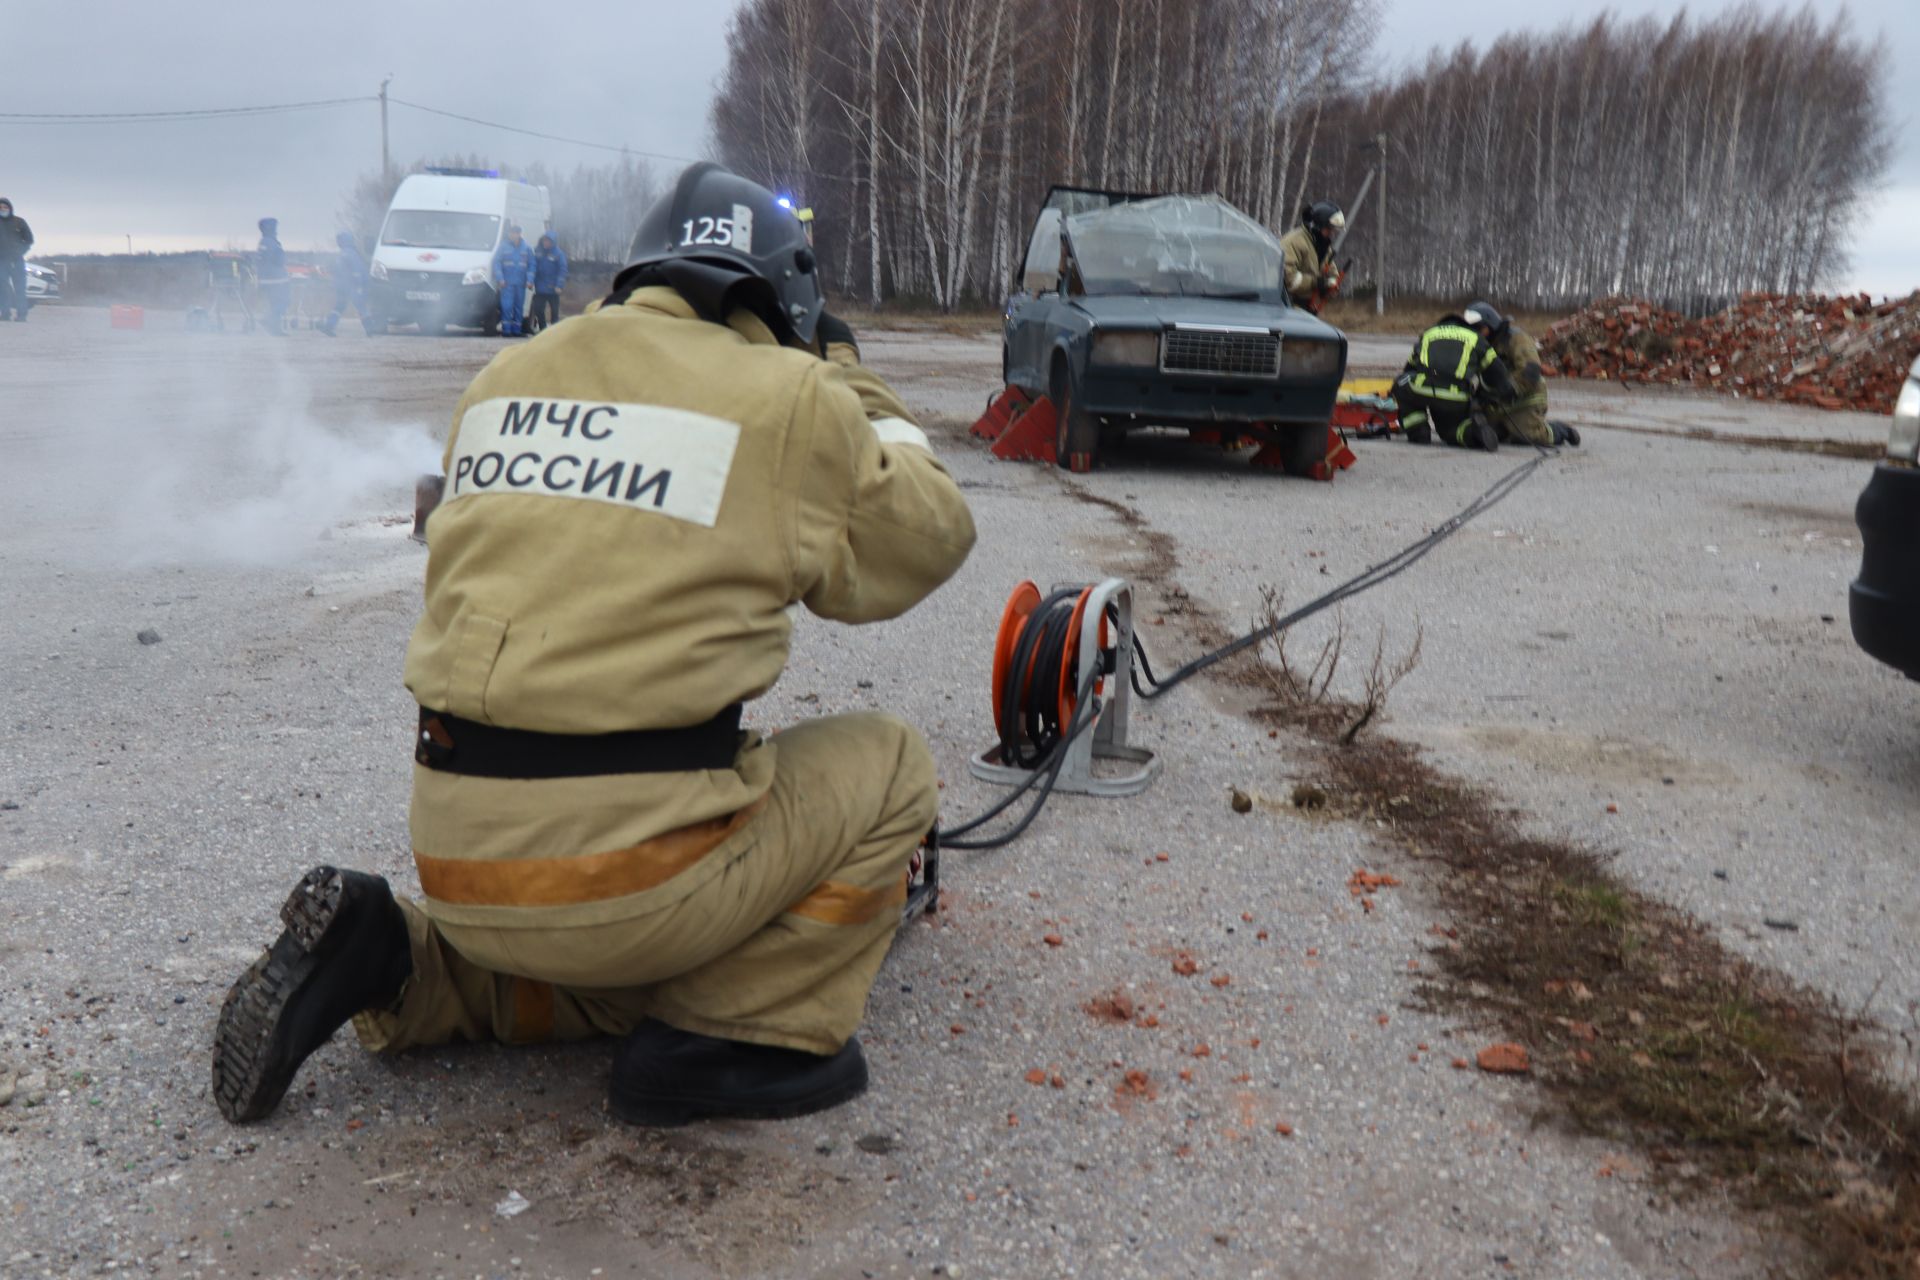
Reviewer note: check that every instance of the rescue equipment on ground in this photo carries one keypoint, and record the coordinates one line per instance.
(1365, 406)
(1048, 648)
(1052, 656)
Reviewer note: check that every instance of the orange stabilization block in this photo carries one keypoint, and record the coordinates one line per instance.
(1339, 457)
(1021, 428)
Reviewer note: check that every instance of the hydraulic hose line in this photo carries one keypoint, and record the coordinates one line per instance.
(1029, 711)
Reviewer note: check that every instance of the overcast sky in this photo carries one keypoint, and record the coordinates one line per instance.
(638, 73)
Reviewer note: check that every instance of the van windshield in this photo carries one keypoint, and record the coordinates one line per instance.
(441, 229)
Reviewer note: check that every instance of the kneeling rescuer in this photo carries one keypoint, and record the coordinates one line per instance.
(634, 501)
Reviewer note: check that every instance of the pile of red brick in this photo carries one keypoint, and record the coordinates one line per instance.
(1832, 353)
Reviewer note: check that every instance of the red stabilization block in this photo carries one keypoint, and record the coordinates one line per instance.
(1339, 457)
(1000, 413)
(1021, 428)
(1030, 437)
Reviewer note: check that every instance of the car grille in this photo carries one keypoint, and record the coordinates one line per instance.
(1248, 353)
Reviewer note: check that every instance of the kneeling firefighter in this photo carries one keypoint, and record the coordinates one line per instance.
(633, 503)
(1453, 366)
(1526, 417)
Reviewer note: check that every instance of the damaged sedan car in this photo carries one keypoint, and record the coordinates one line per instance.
(1167, 311)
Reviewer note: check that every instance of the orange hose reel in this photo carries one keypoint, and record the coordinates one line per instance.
(1021, 603)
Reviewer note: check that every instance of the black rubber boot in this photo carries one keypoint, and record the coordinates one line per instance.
(664, 1077)
(344, 949)
(1565, 433)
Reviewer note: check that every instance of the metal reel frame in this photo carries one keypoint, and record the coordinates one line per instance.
(1108, 738)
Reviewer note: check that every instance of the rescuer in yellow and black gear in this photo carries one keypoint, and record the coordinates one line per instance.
(1453, 365)
(634, 501)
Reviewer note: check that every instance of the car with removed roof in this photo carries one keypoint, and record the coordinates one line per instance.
(1883, 604)
(1137, 311)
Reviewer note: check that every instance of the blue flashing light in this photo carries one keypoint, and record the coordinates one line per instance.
(785, 202)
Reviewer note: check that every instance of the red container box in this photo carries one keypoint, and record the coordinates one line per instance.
(128, 317)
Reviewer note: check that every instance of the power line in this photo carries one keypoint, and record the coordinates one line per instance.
(277, 108)
(550, 137)
(198, 113)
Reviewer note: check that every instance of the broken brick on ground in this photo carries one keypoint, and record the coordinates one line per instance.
(1804, 349)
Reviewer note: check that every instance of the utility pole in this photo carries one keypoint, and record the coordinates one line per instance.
(1380, 247)
(386, 166)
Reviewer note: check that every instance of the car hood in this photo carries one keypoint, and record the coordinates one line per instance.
(1140, 310)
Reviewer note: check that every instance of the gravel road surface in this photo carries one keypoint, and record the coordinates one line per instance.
(1655, 623)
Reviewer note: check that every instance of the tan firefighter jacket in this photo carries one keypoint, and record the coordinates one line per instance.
(1300, 264)
(1521, 354)
(632, 502)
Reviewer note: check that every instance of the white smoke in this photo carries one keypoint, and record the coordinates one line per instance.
(290, 480)
(215, 449)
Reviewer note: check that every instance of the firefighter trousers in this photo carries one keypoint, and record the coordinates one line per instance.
(780, 947)
(1420, 414)
(1524, 419)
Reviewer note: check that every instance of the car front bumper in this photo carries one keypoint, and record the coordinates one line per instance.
(1883, 603)
(414, 298)
(1154, 398)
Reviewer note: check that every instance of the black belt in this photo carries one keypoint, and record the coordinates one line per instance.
(452, 745)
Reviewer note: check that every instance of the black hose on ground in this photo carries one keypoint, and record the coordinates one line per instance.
(1045, 644)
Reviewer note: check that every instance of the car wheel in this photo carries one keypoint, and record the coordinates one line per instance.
(1076, 440)
(1301, 449)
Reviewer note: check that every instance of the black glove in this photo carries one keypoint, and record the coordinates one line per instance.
(830, 329)
(1565, 433)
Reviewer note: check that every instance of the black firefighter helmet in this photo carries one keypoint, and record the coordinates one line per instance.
(1324, 219)
(1480, 314)
(725, 242)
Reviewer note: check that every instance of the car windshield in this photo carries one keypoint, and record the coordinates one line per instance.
(1197, 246)
(440, 229)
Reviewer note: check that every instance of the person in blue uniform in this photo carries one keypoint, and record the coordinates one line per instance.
(549, 278)
(512, 267)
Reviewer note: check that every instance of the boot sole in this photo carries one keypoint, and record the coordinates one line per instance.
(244, 1087)
(649, 1113)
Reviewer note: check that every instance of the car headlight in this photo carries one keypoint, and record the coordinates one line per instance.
(1903, 443)
(479, 275)
(1308, 358)
(1139, 348)
(377, 269)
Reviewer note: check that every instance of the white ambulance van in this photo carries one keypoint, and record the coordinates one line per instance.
(433, 265)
